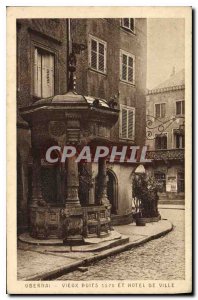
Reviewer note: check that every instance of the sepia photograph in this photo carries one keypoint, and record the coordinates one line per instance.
(102, 110)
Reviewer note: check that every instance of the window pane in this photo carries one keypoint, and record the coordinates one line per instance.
(124, 123)
(177, 141)
(101, 48)
(101, 62)
(178, 107)
(157, 142)
(164, 142)
(124, 72)
(183, 107)
(183, 141)
(161, 142)
(93, 59)
(157, 110)
(93, 45)
(180, 182)
(124, 59)
(161, 179)
(126, 22)
(163, 110)
(130, 61)
(130, 74)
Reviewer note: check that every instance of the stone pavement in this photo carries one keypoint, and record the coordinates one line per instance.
(36, 262)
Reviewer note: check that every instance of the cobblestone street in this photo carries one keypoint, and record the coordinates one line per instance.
(161, 259)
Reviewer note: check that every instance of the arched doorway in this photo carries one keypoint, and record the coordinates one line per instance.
(112, 190)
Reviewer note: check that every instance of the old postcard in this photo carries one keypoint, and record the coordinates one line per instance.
(99, 197)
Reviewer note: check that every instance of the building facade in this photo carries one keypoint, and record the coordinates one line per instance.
(113, 66)
(110, 67)
(41, 72)
(165, 108)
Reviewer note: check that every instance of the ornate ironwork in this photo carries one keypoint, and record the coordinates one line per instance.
(156, 126)
(168, 154)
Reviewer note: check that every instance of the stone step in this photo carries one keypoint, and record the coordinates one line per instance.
(172, 201)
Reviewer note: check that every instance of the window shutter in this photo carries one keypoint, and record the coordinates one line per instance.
(35, 72)
(44, 77)
(52, 75)
(124, 123)
(157, 110)
(39, 79)
(163, 110)
(132, 24)
(131, 124)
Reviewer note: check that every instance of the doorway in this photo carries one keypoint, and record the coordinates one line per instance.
(112, 191)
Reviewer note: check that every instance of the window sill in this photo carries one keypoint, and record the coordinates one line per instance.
(127, 140)
(159, 118)
(180, 115)
(128, 83)
(96, 71)
(127, 30)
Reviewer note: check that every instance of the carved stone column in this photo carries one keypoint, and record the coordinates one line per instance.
(102, 182)
(36, 182)
(72, 199)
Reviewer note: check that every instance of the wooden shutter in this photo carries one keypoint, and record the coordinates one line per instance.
(51, 75)
(47, 75)
(132, 24)
(157, 110)
(37, 73)
(163, 110)
(131, 124)
(124, 123)
(44, 76)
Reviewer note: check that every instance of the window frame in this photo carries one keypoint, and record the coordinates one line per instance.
(160, 180)
(128, 108)
(97, 40)
(128, 28)
(160, 117)
(181, 140)
(182, 107)
(53, 51)
(123, 52)
(162, 135)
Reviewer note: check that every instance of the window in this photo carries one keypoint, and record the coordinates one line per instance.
(160, 177)
(160, 110)
(161, 141)
(127, 122)
(129, 24)
(180, 182)
(127, 67)
(179, 140)
(97, 54)
(180, 107)
(43, 73)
